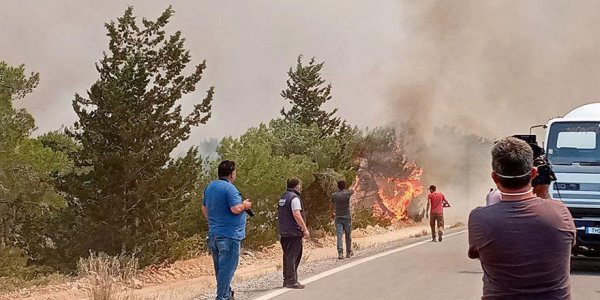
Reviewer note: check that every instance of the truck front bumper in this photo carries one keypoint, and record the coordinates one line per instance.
(587, 243)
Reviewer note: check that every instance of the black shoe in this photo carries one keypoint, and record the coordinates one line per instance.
(440, 237)
(433, 240)
(296, 286)
(341, 256)
(232, 295)
(350, 254)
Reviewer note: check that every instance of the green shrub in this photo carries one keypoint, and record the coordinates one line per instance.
(9, 284)
(262, 228)
(363, 217)
(189, 247)
(13, 263)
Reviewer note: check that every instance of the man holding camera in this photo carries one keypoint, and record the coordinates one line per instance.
(225, 211)
(523, 242)
(545, 175)
(292, 228)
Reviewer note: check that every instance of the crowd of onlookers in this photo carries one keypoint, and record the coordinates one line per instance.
(522, 238)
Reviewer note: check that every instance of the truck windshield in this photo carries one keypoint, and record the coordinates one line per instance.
(574, 142)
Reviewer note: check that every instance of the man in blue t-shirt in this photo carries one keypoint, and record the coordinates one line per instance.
(224, 209)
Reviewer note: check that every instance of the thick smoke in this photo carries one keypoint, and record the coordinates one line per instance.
(496, 67)
(489, 68)
(492, 69)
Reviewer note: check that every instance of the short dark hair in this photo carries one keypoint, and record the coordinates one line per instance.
(293, 182)
(341, 184)
(226, 167)
(512, 157)
(432, 187)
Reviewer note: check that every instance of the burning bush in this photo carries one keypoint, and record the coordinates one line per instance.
(364, 216)
(388, 182)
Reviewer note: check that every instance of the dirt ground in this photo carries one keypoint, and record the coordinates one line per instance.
(190, 278)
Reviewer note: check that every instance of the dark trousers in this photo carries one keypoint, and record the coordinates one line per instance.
(292, 254)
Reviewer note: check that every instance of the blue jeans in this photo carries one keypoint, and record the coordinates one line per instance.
(226, 255)
(343, 226)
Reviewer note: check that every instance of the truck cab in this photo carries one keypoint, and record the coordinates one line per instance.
(573, 147)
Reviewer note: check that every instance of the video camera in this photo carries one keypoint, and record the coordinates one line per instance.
(545, 174)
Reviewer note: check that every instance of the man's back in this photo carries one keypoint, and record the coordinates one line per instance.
(341, 201)
(437, 202)
(524, 247)
(219, 197)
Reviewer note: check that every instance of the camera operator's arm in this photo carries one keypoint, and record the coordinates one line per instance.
(473, 251)
(542, 191)
(541, 183)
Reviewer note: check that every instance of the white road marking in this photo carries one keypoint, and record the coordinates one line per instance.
(347, 266)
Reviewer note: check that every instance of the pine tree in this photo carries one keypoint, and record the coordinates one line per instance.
(126, 198)
(27, 196)
(306, 93)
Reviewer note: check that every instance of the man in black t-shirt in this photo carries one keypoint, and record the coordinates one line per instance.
(340, 211)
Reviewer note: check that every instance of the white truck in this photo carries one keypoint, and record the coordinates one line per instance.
(573, 147)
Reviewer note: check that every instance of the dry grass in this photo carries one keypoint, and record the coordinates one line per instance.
(458, 224)
(306, 257)
(105, 275)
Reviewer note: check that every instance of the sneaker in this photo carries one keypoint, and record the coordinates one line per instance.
(340, 256)
(350, 254)
(296, 286)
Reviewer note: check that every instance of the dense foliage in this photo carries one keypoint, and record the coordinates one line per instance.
(27, 195)
(127, 198)
(111, 182)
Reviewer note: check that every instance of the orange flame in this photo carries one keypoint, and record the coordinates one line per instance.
(396, 194)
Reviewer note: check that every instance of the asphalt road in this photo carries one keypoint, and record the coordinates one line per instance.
(426, 271)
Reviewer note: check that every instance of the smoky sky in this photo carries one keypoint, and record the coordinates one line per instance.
(495, 68)
(491, 68)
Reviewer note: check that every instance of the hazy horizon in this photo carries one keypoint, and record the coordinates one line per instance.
(491, 69)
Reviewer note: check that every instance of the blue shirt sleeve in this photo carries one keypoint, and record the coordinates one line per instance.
(233, 196)
(204, 196)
